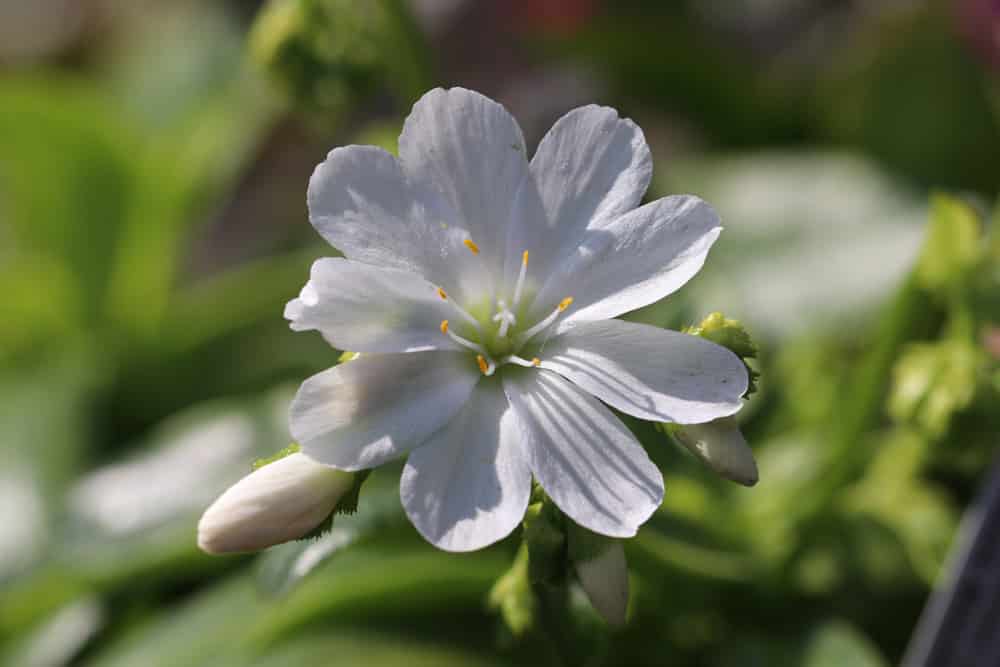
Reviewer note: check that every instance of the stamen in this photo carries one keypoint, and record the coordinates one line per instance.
(520, 361)
(545, 323)
(519, 287)
(464, 342)
(487, 367)
(471, 245)
(461, 311)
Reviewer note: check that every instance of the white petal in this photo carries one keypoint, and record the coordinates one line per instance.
(649, 372)
(588, 462)
(720, 444)
(634, 260)
(365, 412)
(365, 308)
(468, 486)
(360, 201)
(470, 150)
(592, 166)
(605, 581)
(279, 502)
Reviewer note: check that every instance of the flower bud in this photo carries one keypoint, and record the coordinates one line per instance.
(276, 503)
(720, 444)
(604, 577)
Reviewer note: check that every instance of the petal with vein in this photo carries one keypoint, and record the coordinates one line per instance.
(634, 260)
(648, 372)
(588, 462)
(366, 308)
(468, 486)
(470, 150)
(375, 408)
(590, 167)
(362, 204)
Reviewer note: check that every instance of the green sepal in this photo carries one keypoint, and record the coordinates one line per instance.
(348, 504)
(321, 529)
(349, 501)
(732, 335)
(513, 597)
(277, 456)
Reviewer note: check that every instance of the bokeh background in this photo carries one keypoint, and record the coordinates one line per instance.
(153, 165)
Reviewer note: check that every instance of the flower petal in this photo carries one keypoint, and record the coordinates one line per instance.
(634, 260)
(365, 308)
(470, 150)
(365, 412)
(590, 167)
(468, 486)
(362, 204)
(648, 372)
(588, 462)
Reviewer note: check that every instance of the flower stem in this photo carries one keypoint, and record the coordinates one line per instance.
(557, 624)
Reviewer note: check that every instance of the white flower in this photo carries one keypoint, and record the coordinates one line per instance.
(480, 288)
(278, 502)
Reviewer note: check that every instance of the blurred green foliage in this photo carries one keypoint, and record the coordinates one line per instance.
(138, 382)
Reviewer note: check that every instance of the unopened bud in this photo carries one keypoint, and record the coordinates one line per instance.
(276, 503)
(600, 566)
(720, 444)
(604, 578)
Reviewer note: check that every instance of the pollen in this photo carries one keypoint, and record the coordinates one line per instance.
(564, 304)
(483, 366)
(471, 245)
(524, 258)
(444, 326)
(535, 361)
(442, 294)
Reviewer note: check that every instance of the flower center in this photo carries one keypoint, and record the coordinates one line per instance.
(498, 338)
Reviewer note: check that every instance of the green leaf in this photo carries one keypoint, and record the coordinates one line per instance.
(934, 381)
(952, 247)
(836, 644)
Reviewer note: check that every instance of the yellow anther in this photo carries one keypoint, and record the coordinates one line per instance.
(471, 245)
(536, 361)
(564, 304)
(444, 326)
(524, 258)
(483, 366)
(442, 294)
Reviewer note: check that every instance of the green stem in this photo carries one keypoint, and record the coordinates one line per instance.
(556, 623)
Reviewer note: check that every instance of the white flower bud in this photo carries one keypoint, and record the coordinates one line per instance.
(720, 444)
(279, 502)
(605, 581)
